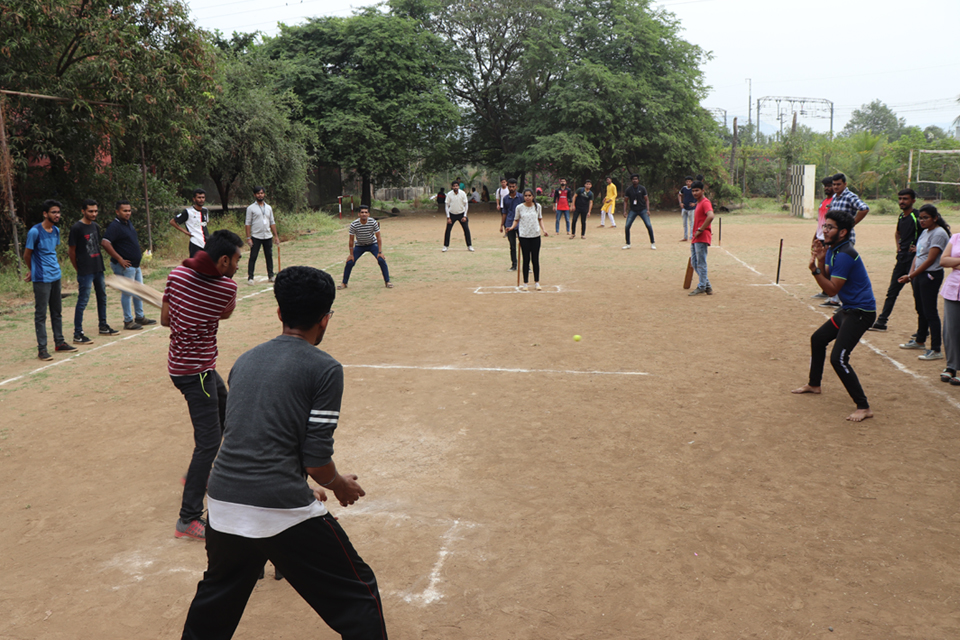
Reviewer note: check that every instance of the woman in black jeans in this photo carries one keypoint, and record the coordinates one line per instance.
(927, 276)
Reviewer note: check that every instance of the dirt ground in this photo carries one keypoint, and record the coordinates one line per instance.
(522, 485)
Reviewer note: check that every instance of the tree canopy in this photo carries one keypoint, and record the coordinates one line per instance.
(875, 118)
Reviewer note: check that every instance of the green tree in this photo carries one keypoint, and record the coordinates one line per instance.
(253, 134)
(370, 88)
(875, 118)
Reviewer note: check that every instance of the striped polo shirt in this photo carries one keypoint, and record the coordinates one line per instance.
(365, 233)
(197, 296)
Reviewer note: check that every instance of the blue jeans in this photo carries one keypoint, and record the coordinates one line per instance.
(133, 273)
(687, 215)
(698, 258)
(94, 280)
(359, 251)
(47, 294)
(645, 216)
(566, 216)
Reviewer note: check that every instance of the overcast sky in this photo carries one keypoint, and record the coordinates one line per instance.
(850, 52)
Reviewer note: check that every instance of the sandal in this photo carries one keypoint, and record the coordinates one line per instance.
(341, 286)
(388, 285)
(948, 375)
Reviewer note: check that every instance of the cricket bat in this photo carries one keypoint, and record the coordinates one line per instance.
(688, 278)
(131, 286)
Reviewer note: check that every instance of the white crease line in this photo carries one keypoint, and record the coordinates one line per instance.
(430, 593)
(513, 289)
(899, 365)
(494, 369)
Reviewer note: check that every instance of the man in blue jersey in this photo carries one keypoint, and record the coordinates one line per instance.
(840, 271)
(43, 270)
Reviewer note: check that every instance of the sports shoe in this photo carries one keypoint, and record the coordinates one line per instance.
(538, 287)
(470, 248)
(913, 344)
(63, 346)
(195, 529)
(522, 287)
(271, 278)
(250, 281)
(820, 295)
(930, 354)
(133, 325)
(830, 304)
(653, 246)
(512, 269)
(878, 326)
(709, 291)
(143, 322)
(626, 246)
(697, 292)
(107, 330)
(81, 339)
(43, 355)
(445, 249)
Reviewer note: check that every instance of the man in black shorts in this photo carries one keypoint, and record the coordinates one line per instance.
(283, 408)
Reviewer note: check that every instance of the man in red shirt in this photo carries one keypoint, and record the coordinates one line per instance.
(700, 239)
(561, 203)
(199, 294)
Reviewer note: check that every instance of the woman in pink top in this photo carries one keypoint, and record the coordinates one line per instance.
(950, 292)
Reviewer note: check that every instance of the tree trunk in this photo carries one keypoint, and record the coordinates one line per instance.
(365, 188)
(223, 189)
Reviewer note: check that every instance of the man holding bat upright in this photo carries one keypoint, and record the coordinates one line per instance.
(199, 294)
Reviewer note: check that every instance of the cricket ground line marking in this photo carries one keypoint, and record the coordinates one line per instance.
(899, 365)
(430, 593)
(493, 369)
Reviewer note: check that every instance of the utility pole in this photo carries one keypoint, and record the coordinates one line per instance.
(749, 101)
(733, 154)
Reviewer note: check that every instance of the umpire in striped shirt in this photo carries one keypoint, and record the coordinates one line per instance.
(364, 237)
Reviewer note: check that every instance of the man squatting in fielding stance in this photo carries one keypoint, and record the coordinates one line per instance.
(457, 205)
(365, 236)
(281, 415)
(840, 271)
(199, 294)
(194, 220)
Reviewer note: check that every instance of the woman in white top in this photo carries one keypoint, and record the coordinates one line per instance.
(927, 276)
(529, 219)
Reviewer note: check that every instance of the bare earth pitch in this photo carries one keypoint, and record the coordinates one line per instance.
(509, 496)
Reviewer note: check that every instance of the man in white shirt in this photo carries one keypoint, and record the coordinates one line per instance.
(194, 220)
(456, 205)
(261, 232)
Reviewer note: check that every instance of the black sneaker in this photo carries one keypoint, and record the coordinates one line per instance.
(143, 322)
(512, 269)
(133, 325)
(831, 305)
(63, 346)
(709, 291)
(878, 326)
(81, 339)
(43, 355)
(106, 330)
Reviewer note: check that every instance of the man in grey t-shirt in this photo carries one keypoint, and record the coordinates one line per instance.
(281, 414)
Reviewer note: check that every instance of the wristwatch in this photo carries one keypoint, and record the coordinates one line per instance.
(816, 271)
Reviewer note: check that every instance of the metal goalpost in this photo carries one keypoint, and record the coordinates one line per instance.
(921, 153)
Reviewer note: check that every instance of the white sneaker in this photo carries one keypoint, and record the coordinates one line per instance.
(654, 247)
(538, 287)
(250, 281)
(445, 248)
(626, 246)
(469, 248)
(522, 287)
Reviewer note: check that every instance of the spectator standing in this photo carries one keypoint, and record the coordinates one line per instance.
(43, 270)
(582, 206)
(457, 206)
(609, 204)
(950, 292)
(927, 276)
(687, 206)
(501, 191)
(562, 197)
(261, 230)
(84, 242)
(441, 198)
(905, 237)
(194, 220)
(121, 243)
(702, 236)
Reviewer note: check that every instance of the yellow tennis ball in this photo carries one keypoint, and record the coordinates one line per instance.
(576, 338)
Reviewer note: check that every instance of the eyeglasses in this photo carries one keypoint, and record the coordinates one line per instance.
(827, 227)
(329, 313)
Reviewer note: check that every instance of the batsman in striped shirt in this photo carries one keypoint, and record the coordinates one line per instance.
(199, 294)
